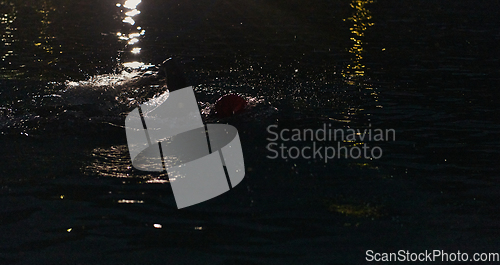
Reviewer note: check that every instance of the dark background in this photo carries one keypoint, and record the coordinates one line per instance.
(429, 70)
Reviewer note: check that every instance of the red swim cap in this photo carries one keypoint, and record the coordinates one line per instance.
(230, 104)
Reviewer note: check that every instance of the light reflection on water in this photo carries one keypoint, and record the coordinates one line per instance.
(6, 20)
(132, 4)
(115, 162)
(355, 75)
(130, 201)
(131, 33)
(361, 20)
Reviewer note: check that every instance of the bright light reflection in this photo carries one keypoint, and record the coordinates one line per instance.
(131, 4)
(133, 65)
(158, 181)
(361, 21)
(134, 35)
(130, 201)
(102, 80)
(129, 20)
(137, 65)
(133, 13)
(133, 41)
(354, 73)
(132, 38)
(7, 38)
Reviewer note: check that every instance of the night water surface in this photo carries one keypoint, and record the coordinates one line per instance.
(71, 71)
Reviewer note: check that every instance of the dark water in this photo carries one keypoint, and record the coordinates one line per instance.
(427, 69)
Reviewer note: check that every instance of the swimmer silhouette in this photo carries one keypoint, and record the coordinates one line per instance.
(167, 133)
(173, 73)
(225, 106)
